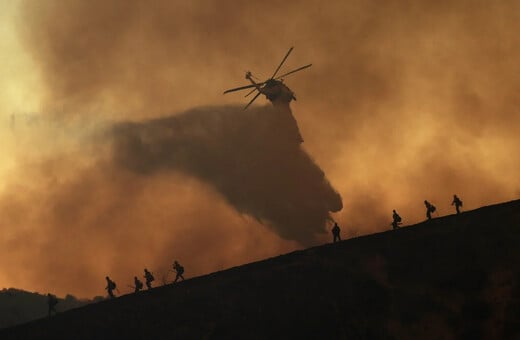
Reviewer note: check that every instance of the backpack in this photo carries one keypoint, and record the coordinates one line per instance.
(151, 278)
(460, 203)
(398, 218)
(112, 285)
(432, 208)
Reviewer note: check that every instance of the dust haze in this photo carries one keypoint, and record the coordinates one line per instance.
(404, 102)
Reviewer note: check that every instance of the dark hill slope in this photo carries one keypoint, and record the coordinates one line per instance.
(18, 306)
(452, 277)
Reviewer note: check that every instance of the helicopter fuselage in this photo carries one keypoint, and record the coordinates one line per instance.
(275, 91)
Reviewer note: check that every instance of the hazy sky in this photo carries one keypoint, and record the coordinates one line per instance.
(405, 101)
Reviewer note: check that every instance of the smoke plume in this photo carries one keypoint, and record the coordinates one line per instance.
(253, 158)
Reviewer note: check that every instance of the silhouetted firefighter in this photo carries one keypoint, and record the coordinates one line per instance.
(149, 278)
(430, 208)
(111, 285)
(179, 270)
(52, 301)
(396, 220)
(138, 285)
(457, 202)
(335, 233)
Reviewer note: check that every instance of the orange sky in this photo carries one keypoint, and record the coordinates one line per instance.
(404, 102)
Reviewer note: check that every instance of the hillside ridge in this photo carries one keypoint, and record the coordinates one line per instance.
(453, 276)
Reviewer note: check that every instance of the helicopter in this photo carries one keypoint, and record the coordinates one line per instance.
(273, 88)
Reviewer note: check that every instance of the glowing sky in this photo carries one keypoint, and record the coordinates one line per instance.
(405, 101)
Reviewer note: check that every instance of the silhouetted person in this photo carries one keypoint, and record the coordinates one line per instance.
(111, 285)
(457, 202)
(138, 285)
(396, 220)
(149, 278)
(430, 208)
(179, 270)
(335, 233)
(52, 301)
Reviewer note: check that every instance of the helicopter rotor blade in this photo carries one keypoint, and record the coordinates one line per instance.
(252, 100)
(283, 61)
(243, 87)
(291, 72)
(250, 92)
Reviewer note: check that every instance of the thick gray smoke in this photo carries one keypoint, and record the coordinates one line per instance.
(253, 158)
(404, 102)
